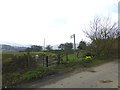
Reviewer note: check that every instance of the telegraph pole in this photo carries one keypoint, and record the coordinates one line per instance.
(73, 36)
(74, 43)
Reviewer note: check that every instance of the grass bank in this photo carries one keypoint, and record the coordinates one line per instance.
(14, 78)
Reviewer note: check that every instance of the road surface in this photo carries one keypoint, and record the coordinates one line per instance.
(103, 76)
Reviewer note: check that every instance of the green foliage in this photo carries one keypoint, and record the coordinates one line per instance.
(10, 79)
(31, 75)
(61, 46)
(103, 35)
(68, 48)
(49, 47)
(104, 47)
(61, 52)
(82, 45)
(15, 73)
(34, 48)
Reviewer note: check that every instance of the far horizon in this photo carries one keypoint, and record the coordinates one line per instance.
(28, 45)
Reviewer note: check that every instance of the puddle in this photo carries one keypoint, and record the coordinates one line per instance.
(92, 71)
(105, 81)
(61, 84)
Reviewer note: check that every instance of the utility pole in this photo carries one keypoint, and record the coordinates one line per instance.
(73, 36)
(74, 42)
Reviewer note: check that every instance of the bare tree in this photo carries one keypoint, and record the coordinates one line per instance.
(101, 28)
(102, 32)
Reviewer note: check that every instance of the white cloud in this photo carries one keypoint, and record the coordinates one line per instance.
(30, 21)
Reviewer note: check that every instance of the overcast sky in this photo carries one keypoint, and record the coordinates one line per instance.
(30, 21)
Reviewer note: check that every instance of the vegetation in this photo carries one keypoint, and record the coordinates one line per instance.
(104, 36)
(61, 46)
(49, 47)
(67, 48)
(82, 45)
(15, 72)
(34, 48)
(21, 67)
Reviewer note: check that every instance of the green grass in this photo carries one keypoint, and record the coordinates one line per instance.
(10, 79)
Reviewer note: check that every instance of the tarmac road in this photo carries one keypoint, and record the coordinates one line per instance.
(103, 76)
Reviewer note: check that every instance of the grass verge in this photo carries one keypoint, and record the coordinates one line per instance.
(12, 79)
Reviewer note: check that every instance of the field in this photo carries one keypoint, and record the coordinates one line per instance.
(18, 67)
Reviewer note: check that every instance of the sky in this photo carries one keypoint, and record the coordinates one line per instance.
(31, 21)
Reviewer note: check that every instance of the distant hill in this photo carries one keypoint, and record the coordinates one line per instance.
(14, 44)
(9, 48)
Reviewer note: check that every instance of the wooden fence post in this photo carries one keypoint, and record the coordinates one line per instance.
(43, 56)
(58, 57)
(46, 61)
